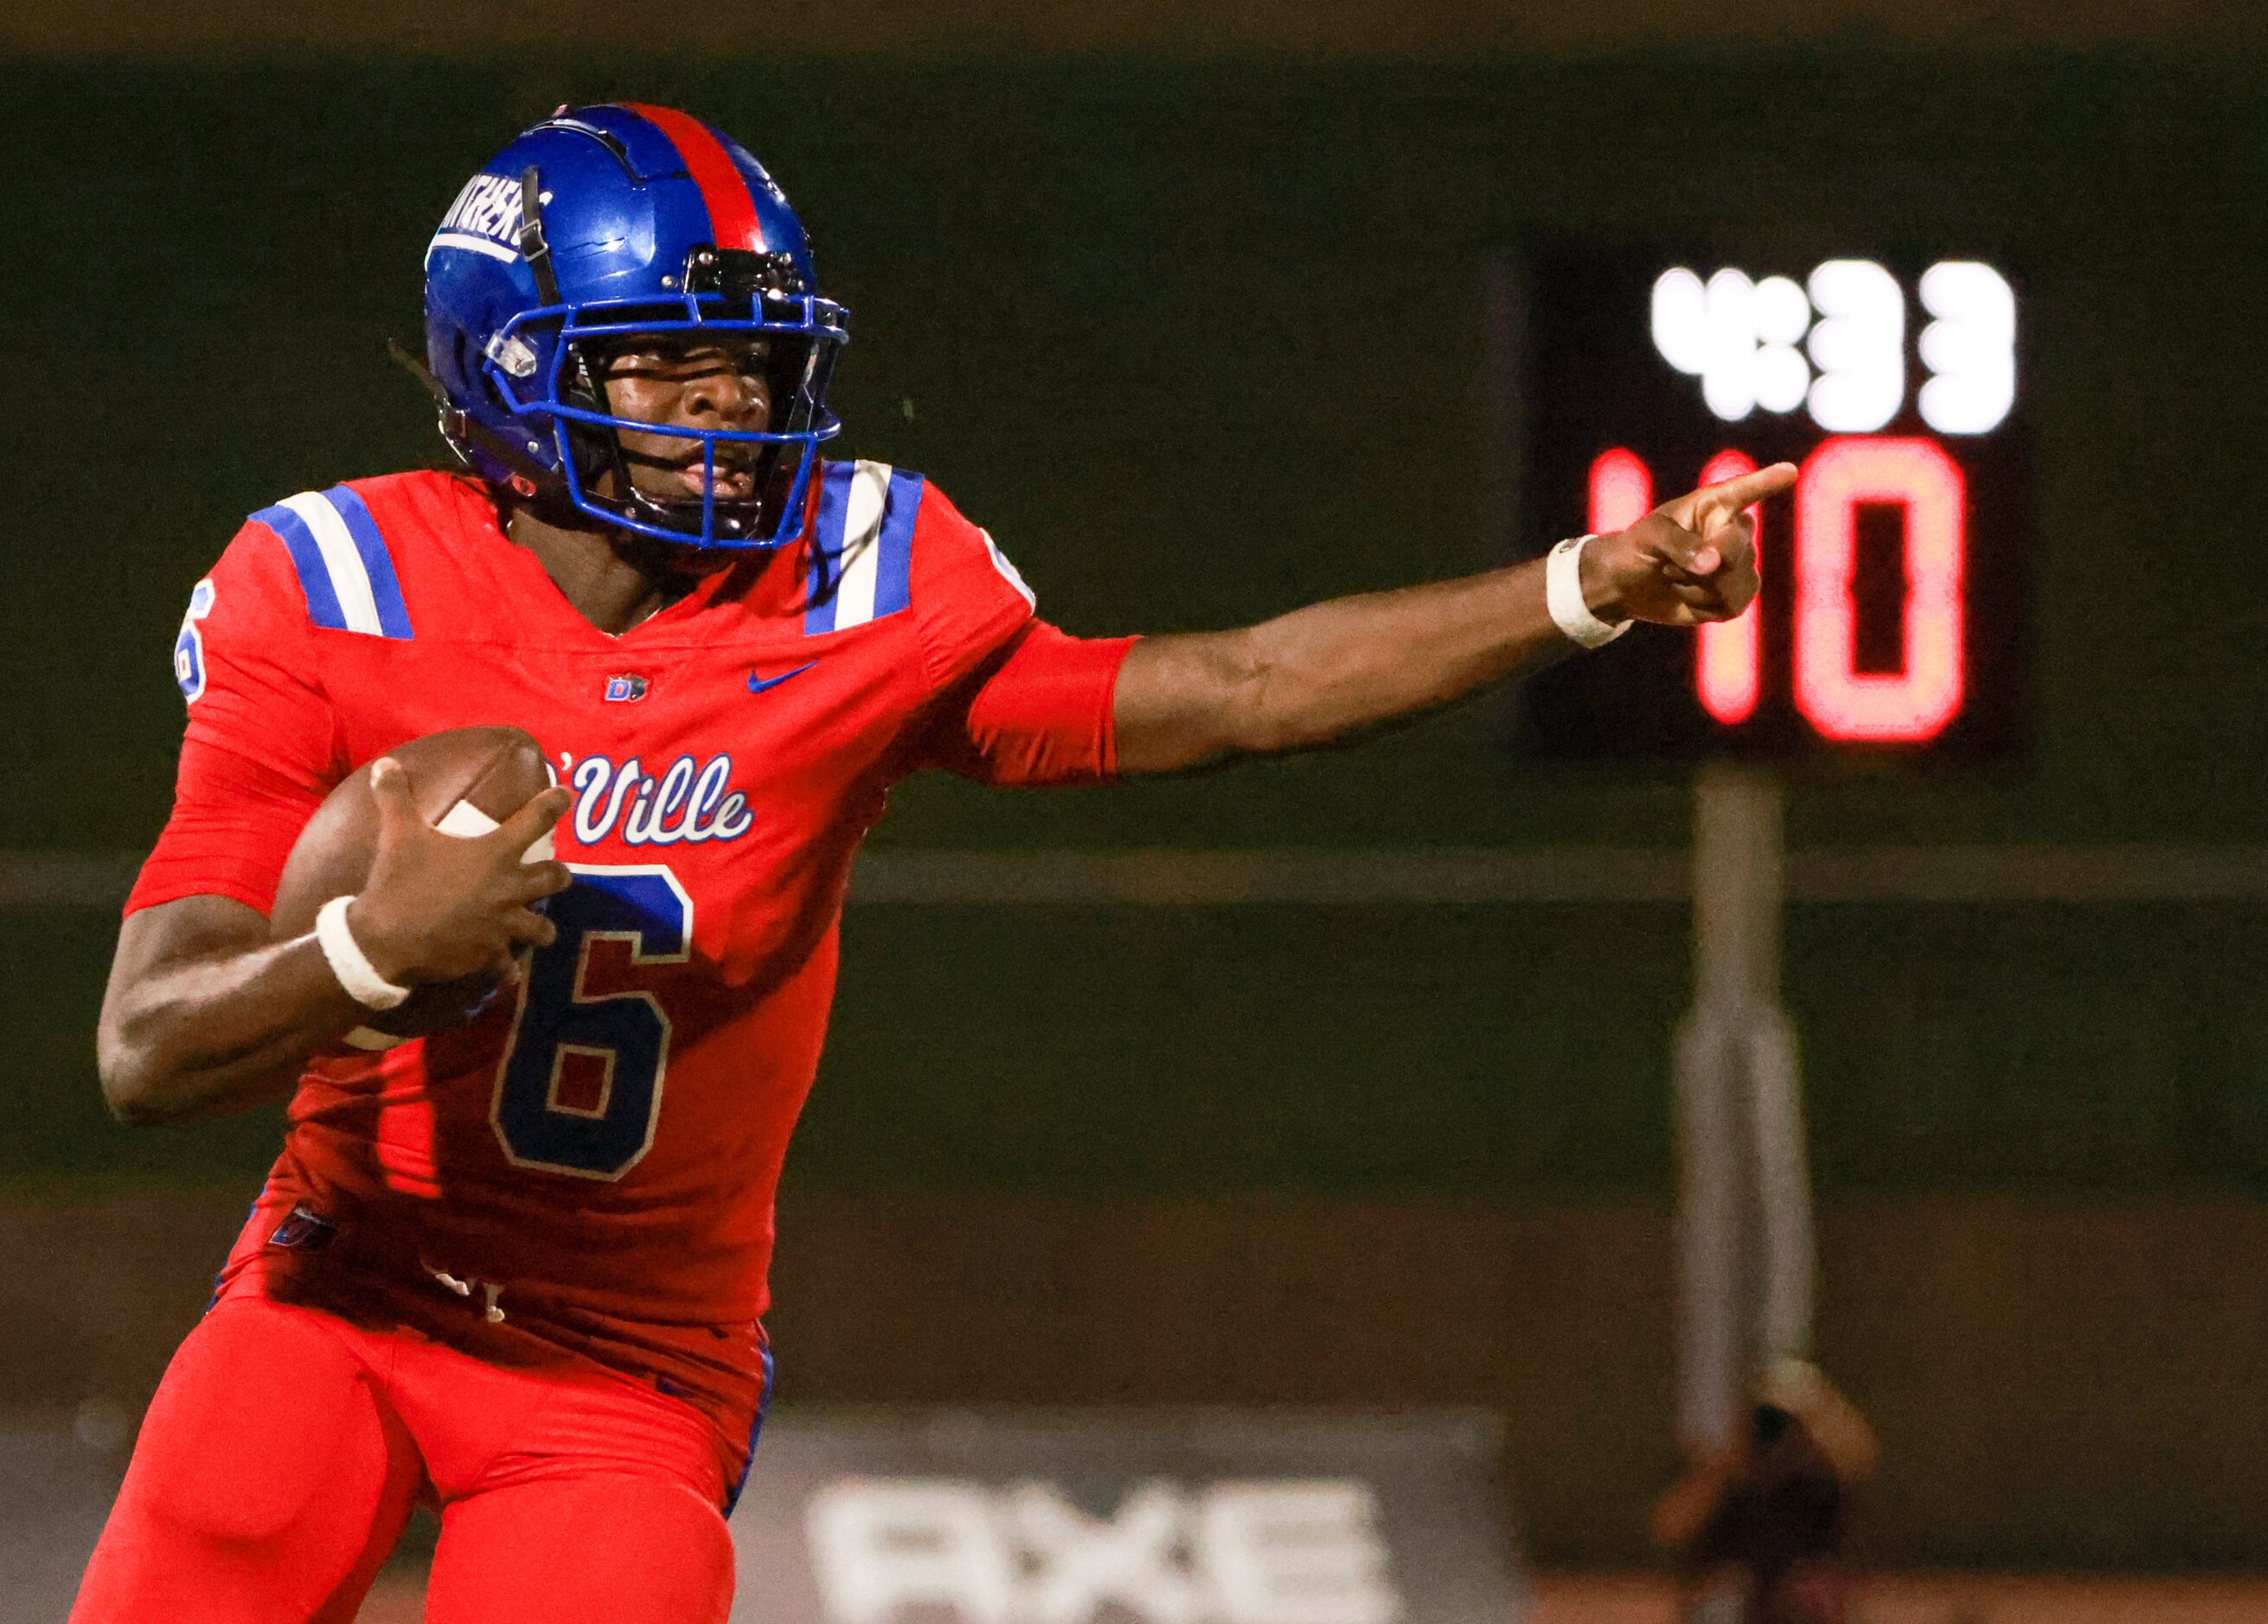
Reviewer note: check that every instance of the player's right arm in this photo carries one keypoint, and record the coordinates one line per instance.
(205, 1014)
(1332, 672)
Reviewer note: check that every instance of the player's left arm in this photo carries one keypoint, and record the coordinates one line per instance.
(1334, 671)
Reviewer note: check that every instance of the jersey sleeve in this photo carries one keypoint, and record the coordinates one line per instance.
(1038, 713)
(968, 598)
(1015, 701)
(262, 746)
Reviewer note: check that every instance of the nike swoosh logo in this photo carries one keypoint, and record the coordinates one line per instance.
(758, 684)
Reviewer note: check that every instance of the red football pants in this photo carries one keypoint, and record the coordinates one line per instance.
(280, 1456)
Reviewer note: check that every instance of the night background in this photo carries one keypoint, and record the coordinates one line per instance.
(1187, 312)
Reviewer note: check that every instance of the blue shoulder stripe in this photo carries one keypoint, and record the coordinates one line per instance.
(307, 559)
(827, 547)
(862, 545)
(893, 578)
(345, 571)
(377, 563)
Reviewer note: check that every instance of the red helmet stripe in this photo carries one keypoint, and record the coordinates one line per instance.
(731, 206)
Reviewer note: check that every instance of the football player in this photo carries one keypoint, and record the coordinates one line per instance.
(518, 1267)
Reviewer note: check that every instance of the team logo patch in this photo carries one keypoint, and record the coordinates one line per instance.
(625, 690)
(304, 1230)
(1009, 573)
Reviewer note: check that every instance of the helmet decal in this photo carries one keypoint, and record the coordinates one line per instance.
(485, 219)
(606, 227)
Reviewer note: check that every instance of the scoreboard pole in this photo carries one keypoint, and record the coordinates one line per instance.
(1891, 624)
(1743, 1216)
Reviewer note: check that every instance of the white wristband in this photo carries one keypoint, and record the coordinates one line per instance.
(1562, 595)
(363, 984)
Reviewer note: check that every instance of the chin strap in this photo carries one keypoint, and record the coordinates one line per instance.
(533, 247)
(463, 433)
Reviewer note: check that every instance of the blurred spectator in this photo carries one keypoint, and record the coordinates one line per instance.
(1763, 1531)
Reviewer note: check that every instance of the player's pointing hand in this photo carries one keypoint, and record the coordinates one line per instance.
(1689, 561)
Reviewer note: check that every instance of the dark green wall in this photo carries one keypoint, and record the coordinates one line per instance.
(1197, 344)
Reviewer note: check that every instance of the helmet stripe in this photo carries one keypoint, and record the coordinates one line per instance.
(731, 206)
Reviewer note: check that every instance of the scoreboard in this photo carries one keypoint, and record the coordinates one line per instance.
(1892, 616)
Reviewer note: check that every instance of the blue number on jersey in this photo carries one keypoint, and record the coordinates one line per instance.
(627, 1032)
(189, 647)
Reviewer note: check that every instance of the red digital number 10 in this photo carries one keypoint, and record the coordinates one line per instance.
(1911, 703)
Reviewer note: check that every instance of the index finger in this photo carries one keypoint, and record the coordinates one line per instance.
(1740, 491)
(533, 820)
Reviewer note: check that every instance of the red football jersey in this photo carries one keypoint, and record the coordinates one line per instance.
(589, 1166)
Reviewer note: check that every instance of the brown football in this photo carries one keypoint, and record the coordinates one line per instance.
(496, 770)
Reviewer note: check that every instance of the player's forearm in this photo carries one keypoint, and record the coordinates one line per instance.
(215, 1032)
(1328, 672)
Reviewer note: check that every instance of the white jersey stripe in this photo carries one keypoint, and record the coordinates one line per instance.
(862, 523)
(348, 579)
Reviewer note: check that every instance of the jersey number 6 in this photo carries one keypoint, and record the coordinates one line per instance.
(626, 1034)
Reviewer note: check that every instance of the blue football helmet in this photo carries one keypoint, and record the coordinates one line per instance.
(597, 229)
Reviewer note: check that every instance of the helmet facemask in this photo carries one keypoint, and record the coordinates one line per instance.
(549, 366)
